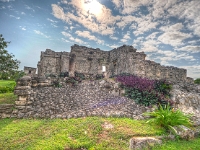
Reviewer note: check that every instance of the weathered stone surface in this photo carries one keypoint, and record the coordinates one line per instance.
(187, 100)
(184, 132)
(6, 110)
(90, 61)
(139, 143)
(86, 99)
(22, 92)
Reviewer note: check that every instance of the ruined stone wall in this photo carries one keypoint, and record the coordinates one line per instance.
(36, 99)
(30, 71)
(124, 59)
(53, 62)
(187, 99)
(89, 60)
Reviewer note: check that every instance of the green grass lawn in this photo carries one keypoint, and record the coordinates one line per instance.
(89, 133)
(6, 82)
(7, 98)
(58, 134)
(179, 145)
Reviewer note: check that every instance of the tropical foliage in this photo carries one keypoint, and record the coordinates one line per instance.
(167, 117)
(8, 65)
(197, 81)
(145, 91)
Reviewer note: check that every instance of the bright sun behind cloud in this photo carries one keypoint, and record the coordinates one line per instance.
(93, 6)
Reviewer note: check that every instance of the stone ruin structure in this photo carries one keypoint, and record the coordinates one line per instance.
(30, 71)
(37, 98)
(124, 59)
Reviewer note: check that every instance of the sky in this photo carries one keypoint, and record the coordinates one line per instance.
(168, 31)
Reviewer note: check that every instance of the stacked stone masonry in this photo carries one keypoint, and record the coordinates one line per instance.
(123, 59)
(37, 99)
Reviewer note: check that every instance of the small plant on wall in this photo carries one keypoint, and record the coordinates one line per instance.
(197, 81)
(57, 84)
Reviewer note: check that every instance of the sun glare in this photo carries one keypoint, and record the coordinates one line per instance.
(93, 6)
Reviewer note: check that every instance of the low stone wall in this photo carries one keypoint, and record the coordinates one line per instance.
(37, 98)
(89, 98)
(6, 110)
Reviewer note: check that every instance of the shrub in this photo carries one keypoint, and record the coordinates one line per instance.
(72, 80)
(64, 74)
(197, 81)
(99, 76)
(163, 87)
(145, 91)
(57, 84)
(79, 76)
(8, 89)
(50, 75)
(167, 117)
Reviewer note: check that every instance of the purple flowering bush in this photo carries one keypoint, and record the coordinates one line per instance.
(145, 91)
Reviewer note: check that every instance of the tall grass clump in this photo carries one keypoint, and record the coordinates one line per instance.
(167, 117)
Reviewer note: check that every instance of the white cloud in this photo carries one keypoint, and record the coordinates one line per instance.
(77, 40)
(40, 33)
(101, 22)
(117, 3)
(125, 20)
(148, 47)
(188, 10)
(113, 46)
(113, 37)
(22, 28)
(152, 36)
(191, 49)
(173, 38)
(130, 6)
(144, 24)
(192, 71)
(169, 56)
(86, 34)
(66, 34)
(15, 17)
(126, 37)
(53, 21)
(6, 0)
(23, 13)
(66, 28)
(29, 8)
(172, 28)
(172, 35)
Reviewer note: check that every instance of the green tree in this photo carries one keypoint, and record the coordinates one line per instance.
(197, 81)
(8, 65)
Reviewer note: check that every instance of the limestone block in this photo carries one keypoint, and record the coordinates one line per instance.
(115, 92)
(184, 132)
(22, 92)
(43, 84)
(4, 115)
(122, 92)
(137, 143)
(24, 81)
(22, 87)
(22, 98)
(20, 103)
